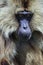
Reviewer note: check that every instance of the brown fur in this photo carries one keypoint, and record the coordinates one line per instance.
(28, 54)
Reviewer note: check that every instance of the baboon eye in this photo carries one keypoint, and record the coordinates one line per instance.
(20, 15)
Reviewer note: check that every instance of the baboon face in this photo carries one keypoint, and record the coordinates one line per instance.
(24, 18)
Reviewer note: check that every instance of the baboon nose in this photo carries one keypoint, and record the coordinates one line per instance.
(25, 27)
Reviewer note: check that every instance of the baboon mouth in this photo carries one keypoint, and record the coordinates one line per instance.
(25, 37)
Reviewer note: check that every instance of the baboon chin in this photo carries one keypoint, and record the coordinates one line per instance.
(21, 29)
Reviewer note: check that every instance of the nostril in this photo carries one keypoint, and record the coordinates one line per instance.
(24, 27)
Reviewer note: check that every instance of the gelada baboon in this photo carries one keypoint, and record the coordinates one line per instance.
(21, 29)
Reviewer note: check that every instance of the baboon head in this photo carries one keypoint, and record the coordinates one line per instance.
(24, 18)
